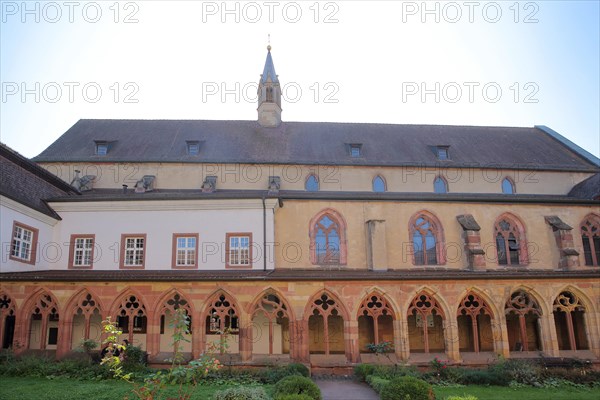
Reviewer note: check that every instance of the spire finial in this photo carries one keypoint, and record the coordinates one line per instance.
(269, 45)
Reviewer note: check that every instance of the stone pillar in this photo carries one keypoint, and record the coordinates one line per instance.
(502, 343)
(245, 338)
(569, 257)
(401, 340)
(548, 337)
(475, 255)
(21, 336)
(196, 341)
(376, 245)
(351, 335)
(303, 351)
(65, 333)
(451, 339)
(153, 337)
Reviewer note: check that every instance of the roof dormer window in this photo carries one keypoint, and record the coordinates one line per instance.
(442, 153)
(193, 147)
(355, 150)
(101, 148)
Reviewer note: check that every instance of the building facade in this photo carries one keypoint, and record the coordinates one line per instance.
(304, 241)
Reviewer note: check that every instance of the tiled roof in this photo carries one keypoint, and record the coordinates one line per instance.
(197, 194)
(317, 274)
(315, 143)
(269, 70)
(29, 184)
(587, 189)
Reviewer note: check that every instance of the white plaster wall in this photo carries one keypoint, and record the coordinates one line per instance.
(109, 220)
(48, 252)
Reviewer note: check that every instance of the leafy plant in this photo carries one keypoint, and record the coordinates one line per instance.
(87, 345)
(407, 388)
(297, 385)
(242, 393)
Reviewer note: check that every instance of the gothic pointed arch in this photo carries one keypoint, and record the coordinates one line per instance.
(8, 313)
(84, 311)
(170, 303)
(425, 324)
(131, 313)
(326, 315)
(522, 312)
(508, 185)
(327, 233)
(590, 239)
(43, 311)
(222, 317)
(474, 319)
(569, 319)
(375, 321)
(427, 236)
(511, 240)
(271, 316)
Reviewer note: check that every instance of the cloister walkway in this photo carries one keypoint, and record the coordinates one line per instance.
(344, 389)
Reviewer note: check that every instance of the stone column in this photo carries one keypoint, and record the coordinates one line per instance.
(548, 337)
(569, 257)
(502, 343)
(153, 337)
(351, 335)
(475, 255)
(451, 339)
(403, 350)
(65, 334)
(245, 338)
(376, 245)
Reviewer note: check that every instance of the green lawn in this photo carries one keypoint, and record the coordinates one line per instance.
(527, 393)
(12, 388)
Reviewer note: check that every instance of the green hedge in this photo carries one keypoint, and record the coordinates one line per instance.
(377, 383)
(407, 388)
(296, 385)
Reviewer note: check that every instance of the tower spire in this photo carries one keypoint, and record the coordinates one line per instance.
(269, 94)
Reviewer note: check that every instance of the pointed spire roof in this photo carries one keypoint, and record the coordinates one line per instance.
(269, 71)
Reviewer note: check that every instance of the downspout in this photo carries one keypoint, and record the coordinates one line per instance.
(264, 234)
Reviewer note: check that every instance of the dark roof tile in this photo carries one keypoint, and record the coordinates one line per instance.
(314, 143)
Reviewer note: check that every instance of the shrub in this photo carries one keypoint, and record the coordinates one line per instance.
(363, 370)
(298, 369)
(377, 383)
(242, 393)
(274, 375)
(489, 377)
(295, 397)
(407, 388)
(297, 385)
(520, 371)
(465, 397)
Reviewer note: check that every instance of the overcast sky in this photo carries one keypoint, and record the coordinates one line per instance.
(458, 63)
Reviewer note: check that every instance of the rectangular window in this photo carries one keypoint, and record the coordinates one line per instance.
(238, 250)
(193, 148)
(442, 153)
(133, 251)
(24, 243)
(185, 250)
(52, 336)
(355, 150)
(82, 251)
